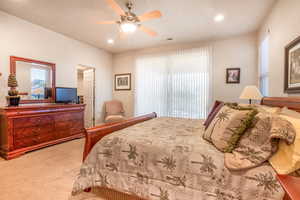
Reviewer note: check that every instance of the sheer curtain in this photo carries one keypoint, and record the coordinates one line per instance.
(176, 84)
(264, 66)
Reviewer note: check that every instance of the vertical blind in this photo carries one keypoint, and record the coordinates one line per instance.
(175, 84)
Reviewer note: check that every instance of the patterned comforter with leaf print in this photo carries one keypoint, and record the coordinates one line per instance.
(167, 159)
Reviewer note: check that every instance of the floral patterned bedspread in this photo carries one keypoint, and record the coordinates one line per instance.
(167, 159)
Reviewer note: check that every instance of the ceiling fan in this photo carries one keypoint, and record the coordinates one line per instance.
(130, 22)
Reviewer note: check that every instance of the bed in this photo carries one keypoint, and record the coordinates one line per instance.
(166, 159)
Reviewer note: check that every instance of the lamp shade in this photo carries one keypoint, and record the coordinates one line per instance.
(251, 92)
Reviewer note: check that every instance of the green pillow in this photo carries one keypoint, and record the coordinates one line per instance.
(229, 125)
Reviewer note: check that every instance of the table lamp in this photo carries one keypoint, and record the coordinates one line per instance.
(251, 92)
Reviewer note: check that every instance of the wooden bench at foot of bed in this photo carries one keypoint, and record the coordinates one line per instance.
(93, 135)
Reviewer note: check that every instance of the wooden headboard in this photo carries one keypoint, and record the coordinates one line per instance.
(292, 103)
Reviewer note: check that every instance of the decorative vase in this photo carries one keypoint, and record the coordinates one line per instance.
(12, 81)
(13, 92)
(13, 100)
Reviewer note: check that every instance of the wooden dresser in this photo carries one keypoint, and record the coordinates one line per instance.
(29, 127)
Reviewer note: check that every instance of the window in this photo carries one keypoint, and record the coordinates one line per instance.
(174, 85)
(264, 67)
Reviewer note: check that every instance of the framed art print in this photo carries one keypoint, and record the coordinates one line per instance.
(123, 82)
(233, 75)
(292, 67)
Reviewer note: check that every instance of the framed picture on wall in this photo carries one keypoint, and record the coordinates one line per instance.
(122, 81)
(292, 67)
(233, 75)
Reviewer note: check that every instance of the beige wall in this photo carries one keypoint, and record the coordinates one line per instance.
(238, 51)
(21, 38)
(283, 26)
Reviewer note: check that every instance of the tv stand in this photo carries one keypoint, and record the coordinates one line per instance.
(29, 127)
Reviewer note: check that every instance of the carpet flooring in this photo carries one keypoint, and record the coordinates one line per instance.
(45, 174)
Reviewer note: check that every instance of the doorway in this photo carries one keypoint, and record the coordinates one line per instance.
(86, 93)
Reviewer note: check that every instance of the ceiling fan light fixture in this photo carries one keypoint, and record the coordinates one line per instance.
(128, 27)
(219, 18)
(129, 22)
(110, 41)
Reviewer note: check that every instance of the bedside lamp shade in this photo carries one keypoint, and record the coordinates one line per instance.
(251, 92)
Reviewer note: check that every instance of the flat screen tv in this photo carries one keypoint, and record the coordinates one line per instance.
(65, 95)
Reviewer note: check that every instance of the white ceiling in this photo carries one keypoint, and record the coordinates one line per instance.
(183, 20)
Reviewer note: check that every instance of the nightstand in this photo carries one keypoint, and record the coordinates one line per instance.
(291, 185)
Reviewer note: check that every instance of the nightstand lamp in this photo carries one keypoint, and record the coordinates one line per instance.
(251, 92)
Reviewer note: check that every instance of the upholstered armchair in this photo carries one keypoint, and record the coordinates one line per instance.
(114, 111)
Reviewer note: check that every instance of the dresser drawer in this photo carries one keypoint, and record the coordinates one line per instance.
(66, 133)
(71, 124)
(65, 129)
(32, 121)
(25, 142)
(33, 131)
(69, 116)
(30, 141)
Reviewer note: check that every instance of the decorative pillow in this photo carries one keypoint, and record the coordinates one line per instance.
(287, 159)
(229, 125)
(260, 142)
(291, 113)
(268, 109)
(217, 106)
(264, 108)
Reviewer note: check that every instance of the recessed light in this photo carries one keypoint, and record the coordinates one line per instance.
(219, 18)
(110, 41)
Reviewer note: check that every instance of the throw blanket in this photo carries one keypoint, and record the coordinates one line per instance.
(167, 159)
(259, 143)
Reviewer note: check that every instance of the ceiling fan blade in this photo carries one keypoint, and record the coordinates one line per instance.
(115, 7)
(148, 31)
(107, 22)
(151, 15)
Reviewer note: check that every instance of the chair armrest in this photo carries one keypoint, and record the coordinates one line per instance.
(93, 135)
(291, 185)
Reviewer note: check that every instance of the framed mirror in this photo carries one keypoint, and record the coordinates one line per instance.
(36, 79)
